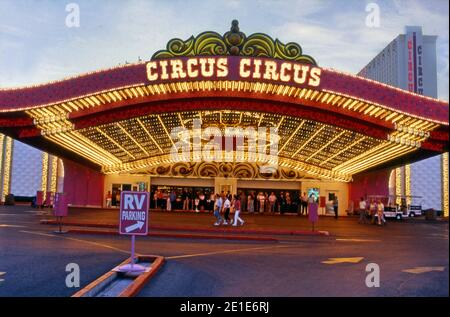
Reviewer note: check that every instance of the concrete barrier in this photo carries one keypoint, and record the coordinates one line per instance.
(118, 284)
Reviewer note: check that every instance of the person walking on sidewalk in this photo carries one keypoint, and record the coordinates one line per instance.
(237, 211)
(218, 202)
(226, 208)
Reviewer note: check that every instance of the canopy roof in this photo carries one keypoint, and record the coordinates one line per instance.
(332, 125)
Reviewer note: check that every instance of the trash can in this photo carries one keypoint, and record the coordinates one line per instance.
(430, 214)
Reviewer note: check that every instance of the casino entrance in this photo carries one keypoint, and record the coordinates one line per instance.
(115, 129)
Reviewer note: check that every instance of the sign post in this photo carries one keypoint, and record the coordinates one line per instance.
(313, 214)
(60, 209)
(133, 221)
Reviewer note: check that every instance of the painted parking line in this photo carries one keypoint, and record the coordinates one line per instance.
(357, 240)
(343, 260)
(5, 225)
(226, 251)
(79, 240)
(424, 269)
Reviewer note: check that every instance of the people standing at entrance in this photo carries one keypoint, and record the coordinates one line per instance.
(262, 200)
(108, 199)
(288, 202)
(218, 202)
(226, 208)
(362, 211)
(250, 203)
(161, 199)
(237, 211)
(196, 202)
(155, 199)
(210, 202)
(185, 197)
(304, 204)
(266, 203)
(243, 199)
(202, 201)
(118, 198)
(168, 203)
(335, 207)
(282, 203)
(173, 198)
(373, 211)
(380, 212)
(272, 202)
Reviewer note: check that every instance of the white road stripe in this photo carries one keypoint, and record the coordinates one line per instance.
(356, 240)
(4, 225)
(226, 251)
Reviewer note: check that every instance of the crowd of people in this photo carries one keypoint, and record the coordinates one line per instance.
(221, 205)
(252, 201)
(371, 210)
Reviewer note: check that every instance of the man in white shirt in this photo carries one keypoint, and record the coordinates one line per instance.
(362, 211)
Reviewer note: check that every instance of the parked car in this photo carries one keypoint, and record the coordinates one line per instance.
(392, 212)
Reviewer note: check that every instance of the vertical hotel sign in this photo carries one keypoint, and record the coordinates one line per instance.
(414, 58)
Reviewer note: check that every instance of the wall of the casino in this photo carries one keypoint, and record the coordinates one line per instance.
(188, 182)
(371, 183)
(341, 189)
(268, 184)
(26, 170)
(111, 179)
(133, 180)
(426, 181)
(83, 186)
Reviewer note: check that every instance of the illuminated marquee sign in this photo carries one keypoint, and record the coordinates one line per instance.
(232, 68)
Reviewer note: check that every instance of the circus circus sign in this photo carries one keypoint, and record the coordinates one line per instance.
(233, 68)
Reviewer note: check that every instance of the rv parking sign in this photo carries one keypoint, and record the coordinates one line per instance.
(134, 213)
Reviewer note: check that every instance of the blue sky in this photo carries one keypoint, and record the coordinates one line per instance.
(36, 46)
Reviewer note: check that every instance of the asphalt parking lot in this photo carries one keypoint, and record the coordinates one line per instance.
(412, 258)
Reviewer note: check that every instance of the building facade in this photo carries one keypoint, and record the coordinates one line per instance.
(409, 63)
(116, 129)
(26, 170)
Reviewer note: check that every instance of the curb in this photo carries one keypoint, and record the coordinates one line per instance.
(177, 235)
(214, 230)
(132, 289)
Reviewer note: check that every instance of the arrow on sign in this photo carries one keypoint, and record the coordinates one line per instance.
(137, 225)
(424, 269)
(343, 260)
(2, 273)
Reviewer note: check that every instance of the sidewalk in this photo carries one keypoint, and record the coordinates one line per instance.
(201, 222)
